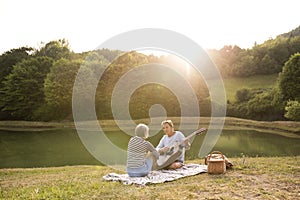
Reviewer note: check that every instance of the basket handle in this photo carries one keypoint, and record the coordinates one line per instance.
(216, 152)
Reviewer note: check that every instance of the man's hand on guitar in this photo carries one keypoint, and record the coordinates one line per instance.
(163, 150)
(186, 144)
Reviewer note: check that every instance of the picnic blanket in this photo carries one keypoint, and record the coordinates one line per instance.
(158, 176)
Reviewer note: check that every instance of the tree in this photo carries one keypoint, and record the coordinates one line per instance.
(244, 66)
(293, 110)
(294, 45)
(110, 77)
(22, 93)
(258, 104)
(279, 50)
(7, 61)
(242, 95)
(10, 58)
(58, 88)
(289, 79)
(225, 58)
(55, 50)
(110, 55)
(268, 65)
(260, 107)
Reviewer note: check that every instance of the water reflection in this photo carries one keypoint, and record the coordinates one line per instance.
(252, 143)
(63, 147)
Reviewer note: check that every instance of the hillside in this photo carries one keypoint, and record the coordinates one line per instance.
(292, 33)
(233, 84)
(51, 99)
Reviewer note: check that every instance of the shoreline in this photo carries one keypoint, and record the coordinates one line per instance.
(286, 128)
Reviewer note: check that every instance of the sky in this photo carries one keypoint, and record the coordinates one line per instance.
(87, 24)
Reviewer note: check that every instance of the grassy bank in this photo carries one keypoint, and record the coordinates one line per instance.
(286, 128)
(255, 178)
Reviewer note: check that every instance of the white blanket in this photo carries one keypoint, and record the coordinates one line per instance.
(159, 176)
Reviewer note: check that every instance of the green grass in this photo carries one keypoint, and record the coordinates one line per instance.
(254, 82)
(250, 178)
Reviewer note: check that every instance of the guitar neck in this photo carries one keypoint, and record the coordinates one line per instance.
(188, 137)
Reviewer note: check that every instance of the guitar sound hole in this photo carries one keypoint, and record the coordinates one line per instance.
(170, 151)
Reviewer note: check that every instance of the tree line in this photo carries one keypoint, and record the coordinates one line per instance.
(37, 84)
(274, 56)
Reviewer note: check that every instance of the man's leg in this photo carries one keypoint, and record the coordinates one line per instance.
(175, 165)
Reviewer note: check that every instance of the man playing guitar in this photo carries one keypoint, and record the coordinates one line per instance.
(171, 137)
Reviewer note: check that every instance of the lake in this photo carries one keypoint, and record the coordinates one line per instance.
(64, 147)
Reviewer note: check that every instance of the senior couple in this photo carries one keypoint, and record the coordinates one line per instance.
(141, 154)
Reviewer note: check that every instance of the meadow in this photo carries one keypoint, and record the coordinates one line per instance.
(250, 178)
(253, 82)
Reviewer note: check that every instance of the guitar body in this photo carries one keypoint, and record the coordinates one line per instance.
(175, 151)
(168, 158)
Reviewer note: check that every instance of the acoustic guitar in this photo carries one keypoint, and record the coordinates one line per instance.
(175, 151)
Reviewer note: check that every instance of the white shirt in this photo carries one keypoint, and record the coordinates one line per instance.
(167, 141)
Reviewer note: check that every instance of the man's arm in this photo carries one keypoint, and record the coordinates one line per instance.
(160, 144)
(161, 148)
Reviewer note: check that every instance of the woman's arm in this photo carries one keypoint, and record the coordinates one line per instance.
(151, 148)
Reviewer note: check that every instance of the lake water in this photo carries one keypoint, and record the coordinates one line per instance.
(64, 147)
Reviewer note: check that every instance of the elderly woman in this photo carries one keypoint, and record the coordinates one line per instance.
(140, 154)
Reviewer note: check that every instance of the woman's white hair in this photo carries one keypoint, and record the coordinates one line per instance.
(142, 130)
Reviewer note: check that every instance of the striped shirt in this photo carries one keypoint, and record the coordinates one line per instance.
(137, 151)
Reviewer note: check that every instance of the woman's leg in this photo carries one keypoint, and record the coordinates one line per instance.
(140, 171)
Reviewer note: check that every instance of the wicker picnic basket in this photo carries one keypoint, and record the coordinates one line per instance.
(216, 163)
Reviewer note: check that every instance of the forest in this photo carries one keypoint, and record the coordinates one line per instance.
(37, 84)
